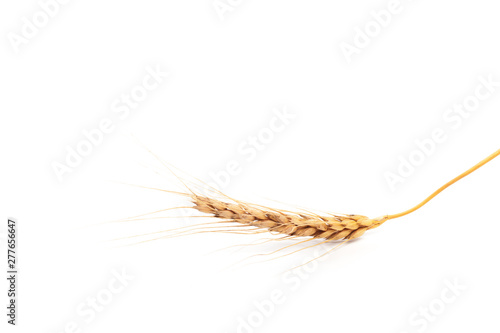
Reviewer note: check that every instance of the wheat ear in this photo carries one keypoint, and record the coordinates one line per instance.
(298, 224)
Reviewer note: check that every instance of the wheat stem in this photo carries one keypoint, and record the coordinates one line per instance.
(442, 188)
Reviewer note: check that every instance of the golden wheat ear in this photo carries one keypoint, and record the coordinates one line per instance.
(299, 224)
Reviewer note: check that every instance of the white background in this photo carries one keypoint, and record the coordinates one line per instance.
(353, 120)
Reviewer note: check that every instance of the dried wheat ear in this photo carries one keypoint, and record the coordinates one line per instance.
(334, 227)
(298, 224)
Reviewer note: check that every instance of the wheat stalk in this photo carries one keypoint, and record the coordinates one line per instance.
(231, 214)
(298, 224)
